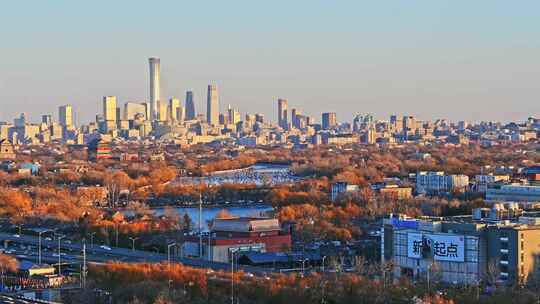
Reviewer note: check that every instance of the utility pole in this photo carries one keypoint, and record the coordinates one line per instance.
(232, 277)
(116, 226)
(60, 237)
(209, 246)
(39, 249)
(200, 226)
(84, 265)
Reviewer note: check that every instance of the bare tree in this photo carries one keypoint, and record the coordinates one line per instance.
(493, 271)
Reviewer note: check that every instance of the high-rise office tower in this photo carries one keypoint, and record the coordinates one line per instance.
(282, 113)
(396, 123)
(190, 106)
(329, 120)
(236, 117)
(147, 111)
(163, 111)
(47, 119)
(223, 120)
(409, 124)
(118, 114)
(109, 108)
(154, 87)
(212, 105)
(180, 114)
(174, 104)
(65, 116)
(233, 116)
(295, 113)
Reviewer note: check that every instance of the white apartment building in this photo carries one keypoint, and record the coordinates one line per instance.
(433, 182)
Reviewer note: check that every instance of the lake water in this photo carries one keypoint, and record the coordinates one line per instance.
(258, 174)
(209, 213)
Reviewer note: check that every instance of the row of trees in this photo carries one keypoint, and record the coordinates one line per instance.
(162, 283)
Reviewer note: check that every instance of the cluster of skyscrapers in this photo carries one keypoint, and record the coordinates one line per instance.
(177, 120)
(157, 111)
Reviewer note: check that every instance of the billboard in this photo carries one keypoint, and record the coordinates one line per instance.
(440, 247)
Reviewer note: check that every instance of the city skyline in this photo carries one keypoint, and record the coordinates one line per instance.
(419, 62)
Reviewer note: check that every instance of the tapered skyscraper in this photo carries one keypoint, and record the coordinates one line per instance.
(190, 106)
(212, 105)
(154, 87)
(282, 113)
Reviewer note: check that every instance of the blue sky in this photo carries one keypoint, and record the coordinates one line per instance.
(472, 60)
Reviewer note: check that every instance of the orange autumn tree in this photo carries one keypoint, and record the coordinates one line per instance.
(14, 204)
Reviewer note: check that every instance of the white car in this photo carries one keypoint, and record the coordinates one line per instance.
(17, 235)
(105, 247)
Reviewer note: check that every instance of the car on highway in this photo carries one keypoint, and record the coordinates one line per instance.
(105, 247)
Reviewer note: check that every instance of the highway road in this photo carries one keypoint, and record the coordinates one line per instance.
(72, 253)
(10, 299)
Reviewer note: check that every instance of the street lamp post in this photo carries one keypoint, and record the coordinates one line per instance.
(232, 276)
(209, 246)
(169, 246)
(323, 258)
(303, 265)
(169, 252)
(39, 246)
(60, 237)
(92, 239)
(116, 228)
(200, 227)
(133, 239)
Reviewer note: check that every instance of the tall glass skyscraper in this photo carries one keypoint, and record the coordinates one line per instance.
(109, 108)
(65, 116)
(190, 106)
(282, 113)
(212, 105)
(154, 87)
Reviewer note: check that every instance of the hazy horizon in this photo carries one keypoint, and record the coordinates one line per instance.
(432, 59)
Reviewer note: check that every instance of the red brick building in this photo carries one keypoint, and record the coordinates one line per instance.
(228, 236)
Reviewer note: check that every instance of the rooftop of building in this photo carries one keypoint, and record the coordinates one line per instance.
(246, 224)
(499, 215)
